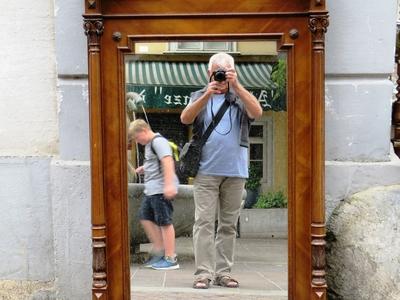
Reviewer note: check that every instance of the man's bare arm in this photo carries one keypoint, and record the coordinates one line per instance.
(169, 172)
(253, 107)
(192, 110)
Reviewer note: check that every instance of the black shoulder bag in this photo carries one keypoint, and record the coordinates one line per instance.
(189, 158)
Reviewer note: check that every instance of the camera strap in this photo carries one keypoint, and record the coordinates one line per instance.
(214, 121)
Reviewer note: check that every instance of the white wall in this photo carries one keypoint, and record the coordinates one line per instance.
(28, 106)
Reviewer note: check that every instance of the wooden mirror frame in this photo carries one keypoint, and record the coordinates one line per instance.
(299, 26)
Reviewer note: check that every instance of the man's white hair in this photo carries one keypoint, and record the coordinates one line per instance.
(221, 59)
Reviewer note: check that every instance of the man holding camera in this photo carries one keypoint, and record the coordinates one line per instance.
(219, 183)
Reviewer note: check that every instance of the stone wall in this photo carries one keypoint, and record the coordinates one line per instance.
(70, 172)
(362, 231)
(44, 152)
(359, 59)
(28, 139)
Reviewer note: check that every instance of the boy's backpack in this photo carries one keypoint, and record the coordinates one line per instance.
(175, 155)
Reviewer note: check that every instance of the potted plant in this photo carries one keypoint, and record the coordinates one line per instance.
(252, 185)
(271, 200)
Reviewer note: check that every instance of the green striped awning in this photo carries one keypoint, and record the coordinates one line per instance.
(190, 74)
(168, 85)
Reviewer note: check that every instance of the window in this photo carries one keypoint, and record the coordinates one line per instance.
(196, 46)
(260, 150)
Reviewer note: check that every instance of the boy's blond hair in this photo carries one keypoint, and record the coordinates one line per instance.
(137, 126)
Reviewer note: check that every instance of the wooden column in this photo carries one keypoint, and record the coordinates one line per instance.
(318, 25)
(94, 29)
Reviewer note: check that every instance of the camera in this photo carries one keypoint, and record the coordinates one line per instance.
(219, 75)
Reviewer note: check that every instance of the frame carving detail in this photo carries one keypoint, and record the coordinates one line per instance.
(94, 30)
(318, 26)
(91, 3)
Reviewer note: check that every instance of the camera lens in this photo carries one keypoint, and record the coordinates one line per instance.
(219, 75)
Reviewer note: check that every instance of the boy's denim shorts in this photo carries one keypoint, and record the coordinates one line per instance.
(157, 209)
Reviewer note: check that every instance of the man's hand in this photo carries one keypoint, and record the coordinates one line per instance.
(253, 107)
(215, 87)
(170, 191)
(139, 170)
(231, 76)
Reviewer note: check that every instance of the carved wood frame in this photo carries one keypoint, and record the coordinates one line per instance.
(111, 34)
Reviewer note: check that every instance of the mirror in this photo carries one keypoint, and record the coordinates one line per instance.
(159, 79)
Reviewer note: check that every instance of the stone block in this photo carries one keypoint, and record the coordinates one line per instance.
(361, 37)
(71, 202)
(71, 41)
(364, 246)
(264, 223)
(74, 121)
(26, 228)
(357, 119)
(342, 179)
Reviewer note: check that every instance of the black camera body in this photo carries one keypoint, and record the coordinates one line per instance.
(219, 75)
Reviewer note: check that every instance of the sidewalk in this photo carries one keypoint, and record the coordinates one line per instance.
(260, 267)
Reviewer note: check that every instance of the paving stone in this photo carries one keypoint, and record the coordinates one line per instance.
(260, 267)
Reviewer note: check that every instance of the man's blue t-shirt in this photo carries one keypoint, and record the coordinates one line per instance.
(222, 155)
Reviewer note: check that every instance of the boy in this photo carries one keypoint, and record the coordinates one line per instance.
(161, 186)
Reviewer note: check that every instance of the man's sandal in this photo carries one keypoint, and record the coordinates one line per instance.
(226, 281)
(201, 283)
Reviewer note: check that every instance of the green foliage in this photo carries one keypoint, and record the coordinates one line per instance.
(254, 180)
(278, 76)
(271, 200)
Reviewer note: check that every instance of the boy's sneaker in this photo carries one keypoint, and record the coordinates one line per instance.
(166, 263)
(152, 260)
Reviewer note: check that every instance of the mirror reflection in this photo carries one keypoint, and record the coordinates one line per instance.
(211, 232)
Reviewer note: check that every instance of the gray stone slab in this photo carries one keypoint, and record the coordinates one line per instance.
(71, 41)
(26, 244)
(74, 120)
(259, 279)
(70, 186)
(361, 37)
(357, 119)
(263, 223)
(342, 179)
